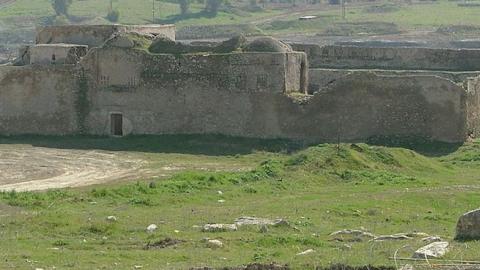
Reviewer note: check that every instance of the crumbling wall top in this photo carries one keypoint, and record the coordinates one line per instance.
(96, 35)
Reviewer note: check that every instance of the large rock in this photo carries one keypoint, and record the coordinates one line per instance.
(214, 243)
(468, 226)
(431, 251)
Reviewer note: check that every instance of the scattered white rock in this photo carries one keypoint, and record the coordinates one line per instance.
(219, 192)
(259, 221)
(352, 235)
(306, 252)
(219, 227)
(176, 231)
(398, 236)
(151, 228)
(432, 251)
(468, 226)
(38, 268)
(214, 243)
(407, 267)
(431, 239)
(112, 218)
(221, 201)
(417, 234)
(137, 267)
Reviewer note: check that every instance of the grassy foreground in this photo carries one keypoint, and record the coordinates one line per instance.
(319, 190)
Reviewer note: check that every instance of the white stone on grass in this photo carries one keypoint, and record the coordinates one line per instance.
(432, 251)
(152, 227)
(306, 252)
(214, 243)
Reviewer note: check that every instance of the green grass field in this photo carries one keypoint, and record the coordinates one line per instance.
(318, 189)
(403, 17)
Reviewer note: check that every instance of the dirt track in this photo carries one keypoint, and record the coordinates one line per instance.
(23, 167)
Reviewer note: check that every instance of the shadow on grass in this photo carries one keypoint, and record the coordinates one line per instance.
(179, 17)
(420, 145)
(212, 145)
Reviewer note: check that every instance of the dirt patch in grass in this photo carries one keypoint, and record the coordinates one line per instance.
(360, 28)
(164, 243)
(385, 8)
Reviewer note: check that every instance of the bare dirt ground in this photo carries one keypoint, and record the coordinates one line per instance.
(26, 168)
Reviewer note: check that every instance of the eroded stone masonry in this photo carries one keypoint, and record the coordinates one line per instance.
(102, 80)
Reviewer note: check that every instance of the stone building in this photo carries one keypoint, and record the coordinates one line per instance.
(105, 84)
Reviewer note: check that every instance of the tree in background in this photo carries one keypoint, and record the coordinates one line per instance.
(184, 6)
(113, 15)
(212, 6)
(61, 6)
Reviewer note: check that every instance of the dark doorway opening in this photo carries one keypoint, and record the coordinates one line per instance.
(116, 120)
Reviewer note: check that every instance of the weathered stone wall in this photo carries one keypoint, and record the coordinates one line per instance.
(232, 94)
(320, 77)
(473, 106)
(166, 30)
(37, 100)
(95, 35)
(401, 58)
(192, 94)
(237, 72)
(360, 106)
(43, 54)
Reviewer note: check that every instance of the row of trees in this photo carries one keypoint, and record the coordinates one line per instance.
(61, 9)
(211, 7)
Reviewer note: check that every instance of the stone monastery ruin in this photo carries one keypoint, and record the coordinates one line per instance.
(103, 80)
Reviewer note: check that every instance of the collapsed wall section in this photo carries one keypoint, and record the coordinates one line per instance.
(365, 105)
(399, 58)
(37, 100)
